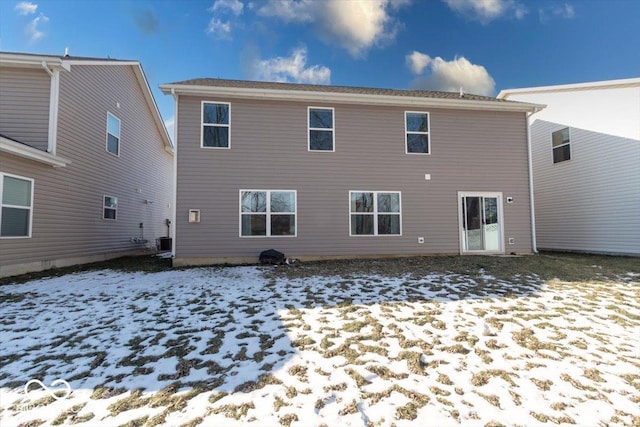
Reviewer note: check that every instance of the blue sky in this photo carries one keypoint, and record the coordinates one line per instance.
(482, 45)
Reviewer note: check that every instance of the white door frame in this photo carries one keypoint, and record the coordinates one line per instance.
(498, 196)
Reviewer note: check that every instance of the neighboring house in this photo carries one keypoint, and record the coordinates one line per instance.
(586, 165)
(86, 164)
(322, 172)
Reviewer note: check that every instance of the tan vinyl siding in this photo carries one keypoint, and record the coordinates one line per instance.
(590, 203)
(471, 151)
(68, 201)
(24, 105)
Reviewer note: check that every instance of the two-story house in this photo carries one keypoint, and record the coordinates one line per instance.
(586, 165)
(86, 164)
(325, 172)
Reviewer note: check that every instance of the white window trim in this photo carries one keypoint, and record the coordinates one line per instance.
(267, 213)
(407, 132)
(2, 175)
(104, 206)
(553, 149)
(332, 129)
(375, 213)
(106, 143)
(203, 124)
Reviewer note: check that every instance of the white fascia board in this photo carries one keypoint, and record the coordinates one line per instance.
(32, 61)
(505, 93)
(349, 98)
(142, 78)
(24, 151)
(98, 62)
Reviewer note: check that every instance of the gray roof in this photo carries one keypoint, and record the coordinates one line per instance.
(67, 57)
(248, 84)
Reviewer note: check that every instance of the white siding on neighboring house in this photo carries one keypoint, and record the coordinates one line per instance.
(590, 202)
(611, 109)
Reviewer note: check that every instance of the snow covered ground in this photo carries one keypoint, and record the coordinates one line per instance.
(241, 346)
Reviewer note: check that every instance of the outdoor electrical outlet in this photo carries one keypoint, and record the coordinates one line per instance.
(420, 239)
(512, 241)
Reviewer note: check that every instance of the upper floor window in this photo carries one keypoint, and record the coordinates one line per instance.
(215, 124)
(110, 207)
(267, 213)
(417, 132)
(321, 129)
(561, 143)
(374, 213)
(16, 205)
(113, 134)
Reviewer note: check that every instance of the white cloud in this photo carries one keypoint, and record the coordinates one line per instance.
(562, 11)
(290, 10)
(487, 10)
(417, 61)
(219, 29)
(356, 25)
(234, 6)
(450, 76)
(32, 29)
(290, 69)
(26, 8)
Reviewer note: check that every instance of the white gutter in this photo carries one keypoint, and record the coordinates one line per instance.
(347, 98)
(534, 243)
(175, 172)
(54, 92)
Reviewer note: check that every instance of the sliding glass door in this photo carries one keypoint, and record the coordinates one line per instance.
(481, 222)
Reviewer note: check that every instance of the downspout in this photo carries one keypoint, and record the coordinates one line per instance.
(53, 108)
(534, 243)
(175, 170)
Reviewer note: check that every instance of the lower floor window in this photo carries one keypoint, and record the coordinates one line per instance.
(16, 204)
(267, 213)
(375, 213)
(110, 208)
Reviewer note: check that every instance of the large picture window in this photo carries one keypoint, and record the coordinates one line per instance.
(16, 205)
(561, 142)
(267, 213)
(375, 213)
(215, 124)
(321, 129)
(113, 134)
(417, 132)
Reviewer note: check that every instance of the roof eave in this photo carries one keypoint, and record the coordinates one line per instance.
(142, 78)
(27, 152)
(347, 98)
(31, 61)
(505, 93)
